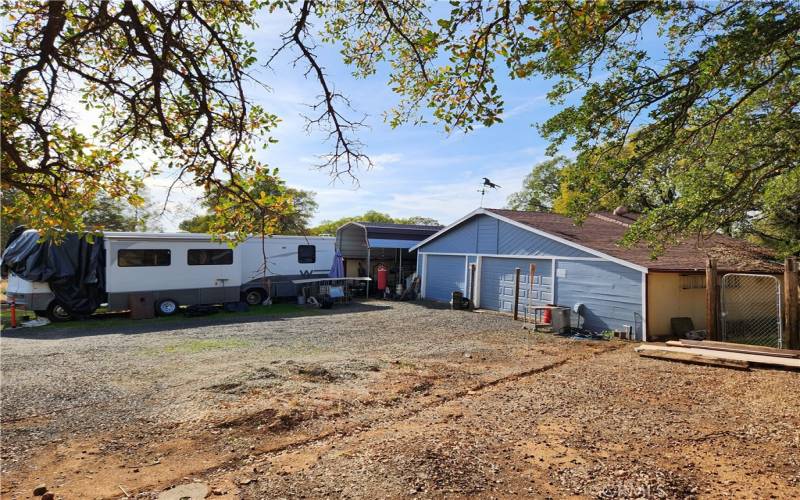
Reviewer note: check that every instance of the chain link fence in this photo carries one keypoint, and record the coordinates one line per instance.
(751, 309)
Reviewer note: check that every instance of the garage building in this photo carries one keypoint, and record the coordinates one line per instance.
(619, 286)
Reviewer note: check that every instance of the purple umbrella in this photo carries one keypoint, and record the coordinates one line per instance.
(337, 269)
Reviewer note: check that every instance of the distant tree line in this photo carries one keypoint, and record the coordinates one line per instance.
(330, 226)
(296, 220)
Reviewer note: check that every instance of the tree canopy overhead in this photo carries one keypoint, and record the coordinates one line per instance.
(165, 79)
(701, 130)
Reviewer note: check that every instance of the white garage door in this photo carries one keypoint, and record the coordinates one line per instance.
(497, 282)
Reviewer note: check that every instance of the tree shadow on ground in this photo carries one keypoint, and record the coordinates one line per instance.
(103, 325)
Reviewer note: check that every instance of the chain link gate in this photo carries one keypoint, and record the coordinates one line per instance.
(751, 309)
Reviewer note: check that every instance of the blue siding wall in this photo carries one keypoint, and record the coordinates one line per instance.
(462, 239)
(445, 275)
(487, 235)
(497, 283)
(488, 231)
(611, 293)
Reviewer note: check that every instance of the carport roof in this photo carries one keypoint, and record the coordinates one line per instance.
(602, 232)
(387, 231)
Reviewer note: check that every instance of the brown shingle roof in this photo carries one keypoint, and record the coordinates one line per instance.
(603, 231)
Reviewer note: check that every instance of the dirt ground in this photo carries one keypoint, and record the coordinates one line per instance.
(384, 400)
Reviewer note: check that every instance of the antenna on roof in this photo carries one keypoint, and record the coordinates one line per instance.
(489, 184)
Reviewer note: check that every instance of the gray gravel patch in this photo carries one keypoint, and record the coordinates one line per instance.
(59, 384)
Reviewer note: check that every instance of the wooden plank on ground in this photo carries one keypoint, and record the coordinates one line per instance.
(753, 359)
(697, 359)
(730, 347)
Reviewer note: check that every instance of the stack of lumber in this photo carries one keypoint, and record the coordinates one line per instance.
(724, 354)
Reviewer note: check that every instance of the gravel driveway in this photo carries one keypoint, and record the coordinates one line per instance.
(383, 399)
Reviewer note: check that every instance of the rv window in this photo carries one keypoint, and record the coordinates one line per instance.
(306, 254)
(143, 258)
(221, 257)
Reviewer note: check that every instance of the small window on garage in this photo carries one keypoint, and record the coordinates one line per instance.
(306, 254)
(209, 257)
(144, 258)
(692, 281)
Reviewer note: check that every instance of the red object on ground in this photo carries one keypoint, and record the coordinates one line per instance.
(383, 277)
(547, 315)
(13, 312)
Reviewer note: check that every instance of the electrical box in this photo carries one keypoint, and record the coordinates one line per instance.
(142, 305)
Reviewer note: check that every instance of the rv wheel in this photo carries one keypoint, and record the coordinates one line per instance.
(166, 307)
(57, 313)
(254, 297)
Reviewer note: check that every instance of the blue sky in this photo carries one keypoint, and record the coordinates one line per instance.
(419, 170)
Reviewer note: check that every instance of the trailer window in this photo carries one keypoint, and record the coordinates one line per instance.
(306, 254)
(212, 257)
(143, 258)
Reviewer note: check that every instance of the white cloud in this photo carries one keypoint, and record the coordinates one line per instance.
(449, 201)
(380, 161)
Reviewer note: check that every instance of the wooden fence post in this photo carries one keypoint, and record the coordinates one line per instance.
(712, 299)
(516, 293)
(790, 301)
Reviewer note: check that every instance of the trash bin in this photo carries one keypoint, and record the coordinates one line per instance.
(457, 301)
(142, 305)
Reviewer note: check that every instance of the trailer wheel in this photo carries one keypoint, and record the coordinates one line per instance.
(166, 307)
(57, 312)
(254, 296)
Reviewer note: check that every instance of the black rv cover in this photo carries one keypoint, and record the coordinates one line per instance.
(75, 269)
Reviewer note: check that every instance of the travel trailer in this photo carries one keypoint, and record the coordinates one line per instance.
(288, 258)
(182, 269)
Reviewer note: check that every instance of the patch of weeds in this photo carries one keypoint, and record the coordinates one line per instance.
(104, 319)
(196, 346)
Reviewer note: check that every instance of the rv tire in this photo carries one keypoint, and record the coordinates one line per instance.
(166, 307)
(254, 296)
(57, 312)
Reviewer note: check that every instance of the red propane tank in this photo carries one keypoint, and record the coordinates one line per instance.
(547, 316)
(383, 276)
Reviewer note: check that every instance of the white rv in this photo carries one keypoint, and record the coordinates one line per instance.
(176, 269)
(288, 258)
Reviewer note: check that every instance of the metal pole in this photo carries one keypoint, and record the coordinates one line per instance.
(531, 274)
(516, 294)
(712, 299)
(369, 273)
(401, 269)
